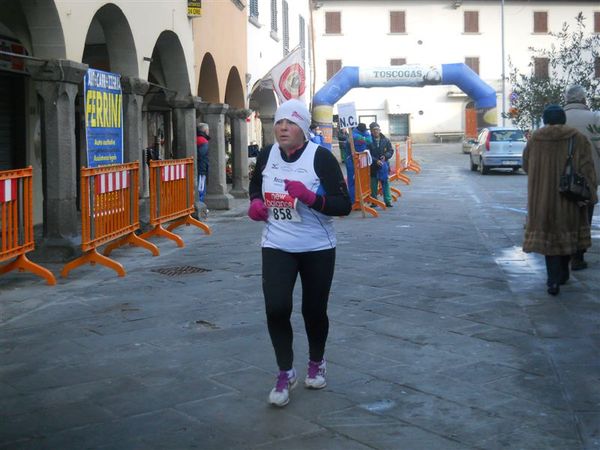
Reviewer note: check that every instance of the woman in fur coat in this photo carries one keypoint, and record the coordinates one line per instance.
(556, 226)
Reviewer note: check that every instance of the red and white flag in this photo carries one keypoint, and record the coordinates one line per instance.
(174, 172)
(287, 78)
(111, 181)
(8, 190)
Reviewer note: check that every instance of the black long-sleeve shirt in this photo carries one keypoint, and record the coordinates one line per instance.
(335, 202)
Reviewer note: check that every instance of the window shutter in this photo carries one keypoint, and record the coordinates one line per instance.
(253, 8)
(540, 68)
(540, 22)
(302, 30)
(333, 66)
(597, 22)
(471, 22)
(473, 63)
(397, 61)
(274, 16)
(597, 67)
(333, 22)
(397, 22)
(286, 29)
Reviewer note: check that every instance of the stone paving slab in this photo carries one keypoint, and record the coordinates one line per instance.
(442, 337)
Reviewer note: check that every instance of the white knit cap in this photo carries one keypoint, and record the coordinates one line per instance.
(295, 111)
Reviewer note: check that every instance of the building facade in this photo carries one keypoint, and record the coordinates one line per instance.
(275, 27)
(176, 68)
(386, 33)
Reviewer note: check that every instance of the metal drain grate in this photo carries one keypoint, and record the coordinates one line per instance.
(179, 270)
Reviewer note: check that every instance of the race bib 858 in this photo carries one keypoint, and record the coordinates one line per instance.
(282, 207)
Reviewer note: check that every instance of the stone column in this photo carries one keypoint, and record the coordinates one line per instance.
(134, 90)
(267, 130)
(184, 126)
(239, 132)
(57, 83)
(216, 185)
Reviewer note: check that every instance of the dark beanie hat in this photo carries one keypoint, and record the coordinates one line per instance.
(362, 127)
(554, 115)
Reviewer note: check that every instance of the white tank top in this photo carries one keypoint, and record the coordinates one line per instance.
(302, 229)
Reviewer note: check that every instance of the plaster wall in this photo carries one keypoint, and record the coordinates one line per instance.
(221, 31)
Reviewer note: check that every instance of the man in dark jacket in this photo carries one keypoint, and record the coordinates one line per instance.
(382, 151)
(202, 139)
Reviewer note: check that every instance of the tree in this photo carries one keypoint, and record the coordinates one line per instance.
(572, 59)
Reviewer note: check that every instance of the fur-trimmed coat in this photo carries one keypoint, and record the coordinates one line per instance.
(555, 224)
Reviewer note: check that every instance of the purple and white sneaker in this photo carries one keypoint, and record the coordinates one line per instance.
(280, 394)
(315, 377)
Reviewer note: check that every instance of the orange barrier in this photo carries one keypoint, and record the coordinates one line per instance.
(16, 221)
(362, 185)
(172, 198)
(399, 168)
(409, 163)
(109, 211)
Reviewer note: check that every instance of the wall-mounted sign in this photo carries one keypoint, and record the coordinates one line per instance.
(9, 62)
(194, 8)
(103, 117)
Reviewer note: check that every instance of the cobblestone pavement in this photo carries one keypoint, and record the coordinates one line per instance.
(442, 337)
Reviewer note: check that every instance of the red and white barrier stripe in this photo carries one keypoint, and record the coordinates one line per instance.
(174, 172)
(112, 181)
(8, 190)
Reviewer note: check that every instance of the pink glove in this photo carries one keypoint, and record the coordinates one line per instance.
(297, 190)
(258, 211)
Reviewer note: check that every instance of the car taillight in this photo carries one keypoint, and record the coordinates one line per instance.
(487, 142)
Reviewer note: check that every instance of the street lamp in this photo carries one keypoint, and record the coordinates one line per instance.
(503, 72)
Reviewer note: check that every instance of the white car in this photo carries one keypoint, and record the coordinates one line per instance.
(498, 148)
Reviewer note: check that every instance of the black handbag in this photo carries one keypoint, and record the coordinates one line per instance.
(572, 185)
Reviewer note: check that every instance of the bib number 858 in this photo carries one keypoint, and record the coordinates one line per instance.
(282, 214)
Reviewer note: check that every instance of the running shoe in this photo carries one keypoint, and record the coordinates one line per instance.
(315, 377)
(280, 394)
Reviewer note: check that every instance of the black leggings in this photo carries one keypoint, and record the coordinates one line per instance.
(279, 272)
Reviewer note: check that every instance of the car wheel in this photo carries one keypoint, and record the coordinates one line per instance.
(473, 165)
(483, 170)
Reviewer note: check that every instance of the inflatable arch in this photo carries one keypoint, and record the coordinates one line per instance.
(415, 75)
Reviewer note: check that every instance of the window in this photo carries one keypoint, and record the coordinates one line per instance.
(397, 61)
(286, 29)
(540, 22)
(333, 66)
(333, 22)
(471, 21)
(254, 8)
(597, 22)
(274, 16)
(597, 67)
(540, 68)
(473, 63)
(397, 22)
(399, 124)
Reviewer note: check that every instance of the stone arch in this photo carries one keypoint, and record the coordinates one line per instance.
(109, 44)
(36, 25)
(168, 65)
(234, 91)
(264, 104)
(208, 82)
